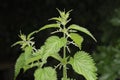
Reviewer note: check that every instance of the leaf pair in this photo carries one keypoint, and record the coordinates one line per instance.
(81, 29)
(78, 39)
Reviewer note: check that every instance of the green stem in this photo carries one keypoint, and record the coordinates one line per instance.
(64, 59)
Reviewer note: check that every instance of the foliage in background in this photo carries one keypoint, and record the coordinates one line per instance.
(82, 63)
(108, 55)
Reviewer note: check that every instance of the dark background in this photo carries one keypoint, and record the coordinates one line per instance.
(29, 15)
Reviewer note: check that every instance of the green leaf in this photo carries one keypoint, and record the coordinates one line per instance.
(82, 29)
(28, 52)
(52, 46)
(56, 56)
(36, 55)
(46, 73)
(56, 19)
(83, 64)
(50, 26)
(23, 61)
(19, 64)
(77, 39)
(64, 14)
(33, 58)
(27, 56)
(22, 36)
(31, 34)
(18, 42)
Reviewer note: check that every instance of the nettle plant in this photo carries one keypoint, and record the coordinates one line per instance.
(82, 63)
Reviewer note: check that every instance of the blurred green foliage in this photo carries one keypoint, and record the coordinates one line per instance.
(108, 55)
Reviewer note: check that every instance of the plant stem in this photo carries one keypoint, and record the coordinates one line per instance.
(64, 59)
